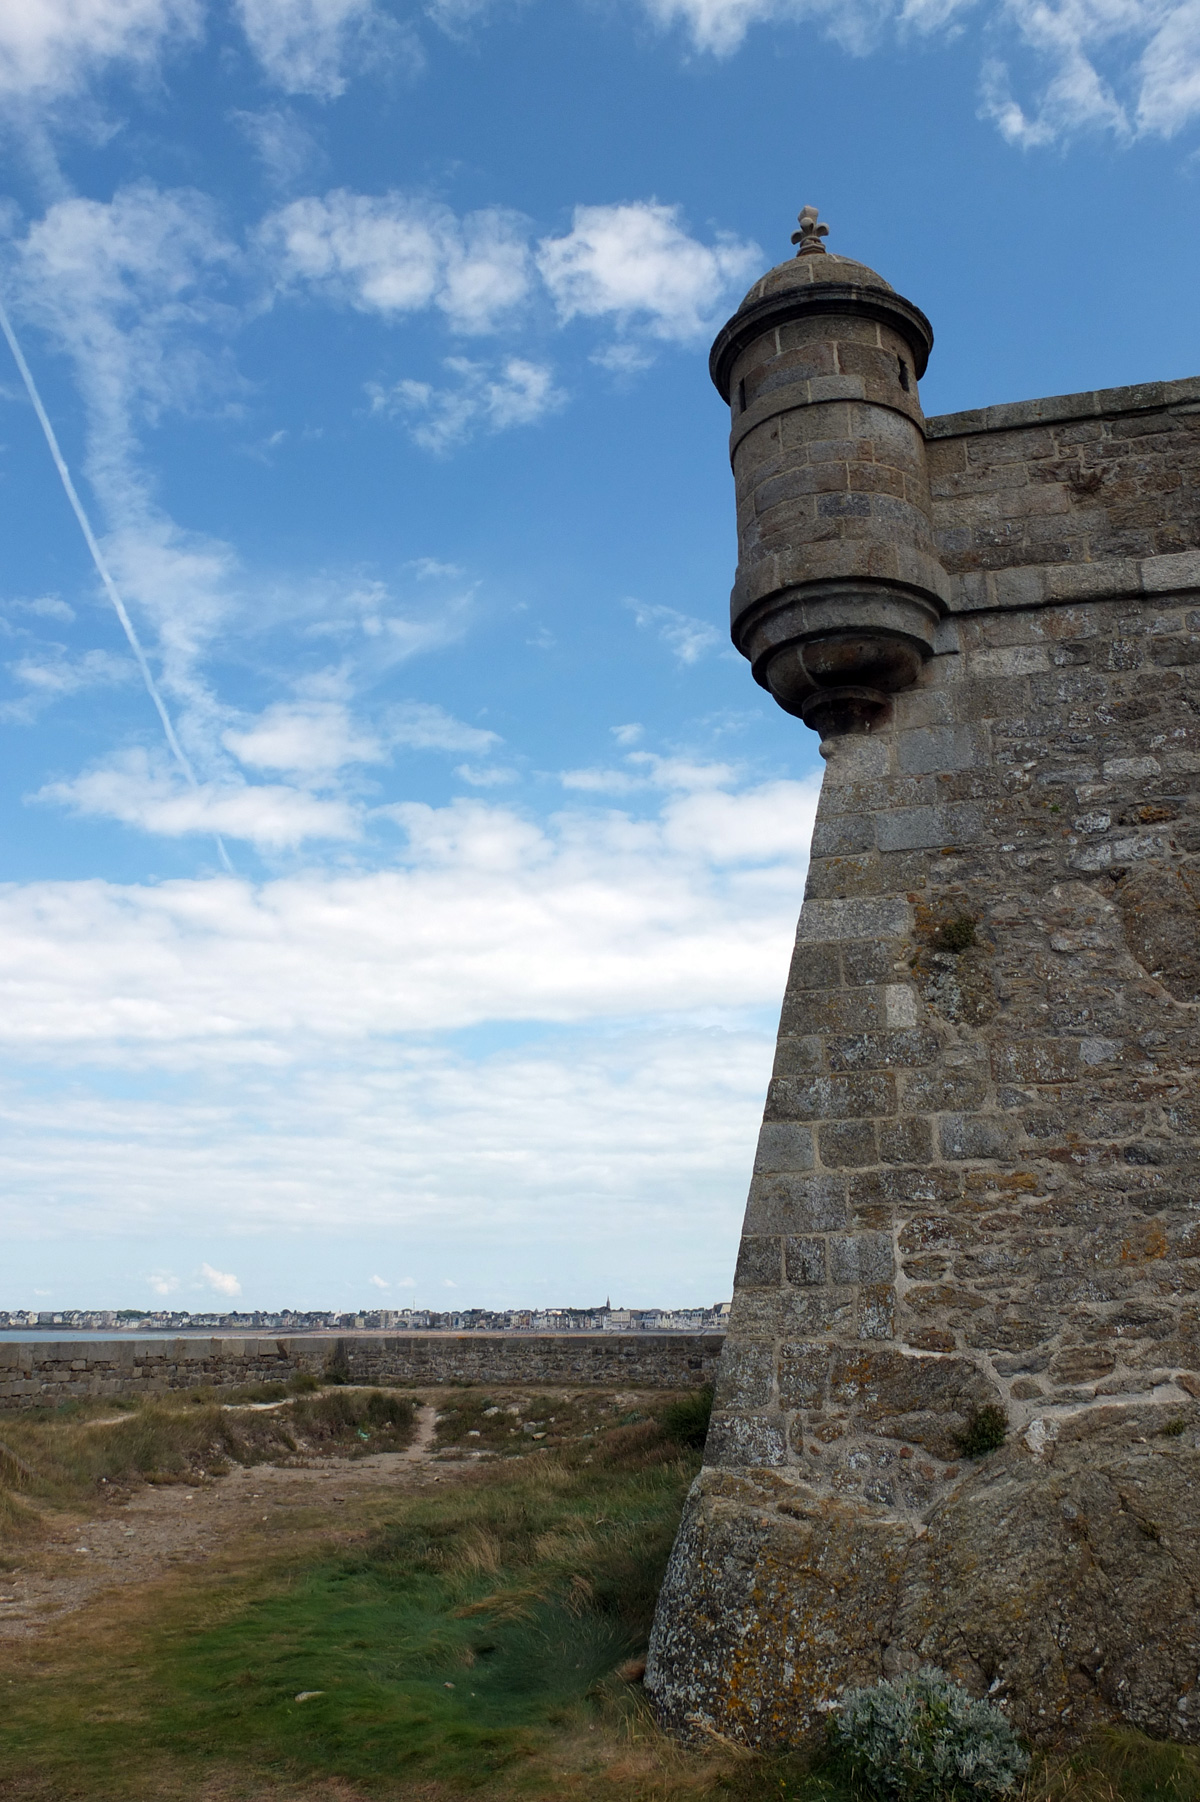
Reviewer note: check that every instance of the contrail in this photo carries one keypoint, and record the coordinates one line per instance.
(102, 569)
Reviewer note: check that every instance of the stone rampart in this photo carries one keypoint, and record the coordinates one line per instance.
(1075, 498)
(45, 1373)
(973, 1224)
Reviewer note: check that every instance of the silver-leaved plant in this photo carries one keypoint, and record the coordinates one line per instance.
(924, 1738)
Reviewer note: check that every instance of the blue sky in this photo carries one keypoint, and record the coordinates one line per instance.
(441, 964)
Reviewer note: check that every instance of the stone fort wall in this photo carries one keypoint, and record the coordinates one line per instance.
(1077, 498)
(978, 1176)
(44, 1374)
(978, 1165)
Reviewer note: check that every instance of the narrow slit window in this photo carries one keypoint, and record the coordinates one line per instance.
(903, 374)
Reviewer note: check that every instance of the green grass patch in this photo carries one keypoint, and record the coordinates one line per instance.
(464, 1636)
(1119, 1765)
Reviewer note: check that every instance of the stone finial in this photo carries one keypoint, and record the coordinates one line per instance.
(810, 234)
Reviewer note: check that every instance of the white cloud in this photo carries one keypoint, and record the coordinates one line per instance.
(647, 770)
(50, 674)
(1130, 67)
(395, 254)
(47, 606)
(314, 738)
(622, 358)
(163, 1282)
(720, 25)
(1169, 91)
(124, 285)
(435, 612)
(311, 46)
(491, 399)
(488, 917)
(50, 48)
(284, 145)
(492, 776)
(306, 738)
(687, 637)
(632, 265)
(378, 1282)
(220, 1280)
(636, 263)
(423, 727)
(536, 1158)
(129, 290)
(135, 791)
(1076, 95)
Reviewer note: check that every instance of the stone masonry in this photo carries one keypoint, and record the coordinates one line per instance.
(43, 1374)
(977, 1184)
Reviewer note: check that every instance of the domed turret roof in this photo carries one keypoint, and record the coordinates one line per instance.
(817, 281)
(823, 266)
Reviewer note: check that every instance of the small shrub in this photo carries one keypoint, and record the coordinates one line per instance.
(686, 1421)
(922, 1738)
(957, 934)
(368, 1415)
(303, 1382)
(986, 1432)
(1174, 1428)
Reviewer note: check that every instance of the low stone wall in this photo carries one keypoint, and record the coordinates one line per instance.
(41, 1374)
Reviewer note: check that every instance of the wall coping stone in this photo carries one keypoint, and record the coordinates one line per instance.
(1097, 403)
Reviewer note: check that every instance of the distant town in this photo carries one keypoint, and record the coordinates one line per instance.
(374, 1320)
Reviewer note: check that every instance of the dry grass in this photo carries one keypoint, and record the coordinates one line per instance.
(68, 1458)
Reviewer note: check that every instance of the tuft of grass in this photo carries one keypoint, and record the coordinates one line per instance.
(1117, 1764)
(256, 1392)
(686, 1421)
(378, 1419)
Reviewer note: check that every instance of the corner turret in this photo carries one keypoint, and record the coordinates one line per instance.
(839, 589)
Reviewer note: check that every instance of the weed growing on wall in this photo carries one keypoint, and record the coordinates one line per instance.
(957, 934)
(986, 1432)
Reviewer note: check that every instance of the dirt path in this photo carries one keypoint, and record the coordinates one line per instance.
(159, 1527)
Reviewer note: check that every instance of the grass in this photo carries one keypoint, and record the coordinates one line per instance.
(477, 1639)
(466, 1638)
(61, 1458)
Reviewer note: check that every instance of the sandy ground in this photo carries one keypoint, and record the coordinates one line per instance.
(159, 1527)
